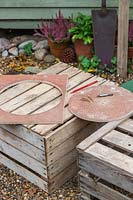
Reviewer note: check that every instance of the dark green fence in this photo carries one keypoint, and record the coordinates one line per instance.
(27, 13)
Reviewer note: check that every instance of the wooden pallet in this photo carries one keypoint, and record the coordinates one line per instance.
(44, 154)
(107, 164)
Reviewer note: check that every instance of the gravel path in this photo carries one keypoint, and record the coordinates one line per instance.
(14, 187)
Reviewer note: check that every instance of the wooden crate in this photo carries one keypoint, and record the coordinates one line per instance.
(106, 162)
(44, 154)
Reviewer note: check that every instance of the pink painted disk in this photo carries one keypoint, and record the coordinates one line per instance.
(54, 115)
(88, 106)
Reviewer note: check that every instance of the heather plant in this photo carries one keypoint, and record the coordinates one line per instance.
(56, 30)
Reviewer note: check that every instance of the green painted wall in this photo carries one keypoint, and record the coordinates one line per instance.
(27, 13)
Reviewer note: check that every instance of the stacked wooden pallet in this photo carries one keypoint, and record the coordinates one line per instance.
(44, 154)
(106, 163)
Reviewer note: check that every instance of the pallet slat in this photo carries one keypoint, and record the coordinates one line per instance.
(25, 134)
(46, 128)
(22, 145)
(23, 158)
(107, 171)
(120, 140)
(127, 126)
(70, 143)
(99, 190)
(24, 172)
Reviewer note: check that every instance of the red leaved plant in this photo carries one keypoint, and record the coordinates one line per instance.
(56, 30)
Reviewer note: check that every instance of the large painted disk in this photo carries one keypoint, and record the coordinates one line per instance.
(102, 109)
(50, 116)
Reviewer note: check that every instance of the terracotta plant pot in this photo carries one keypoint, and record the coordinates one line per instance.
(57, 48)
(130, 52)
(83, 50)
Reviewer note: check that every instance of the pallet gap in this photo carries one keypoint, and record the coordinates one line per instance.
(124, 131)
(112, 186)
(127, 153)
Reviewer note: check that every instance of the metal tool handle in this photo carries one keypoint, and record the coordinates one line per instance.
(104, 8)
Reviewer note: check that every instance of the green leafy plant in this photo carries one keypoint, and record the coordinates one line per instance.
(113, 68)
(82, 29)
(89, 64)
(28, 49)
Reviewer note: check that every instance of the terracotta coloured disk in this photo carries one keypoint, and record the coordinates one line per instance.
(54, 115)
(86, 105)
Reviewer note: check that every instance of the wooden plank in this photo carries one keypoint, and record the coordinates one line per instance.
(114, 158)
(43, 129)
(32, 94)
(59, 3)
(39, 13)
(54, 138)
(120, 140)
(23, 146)
(85, 196)
(123, 25)
(12, 92)
(49, 96)
(25, 134)
(64, 176)
(23, 158)
(23, 172)
(24, 14)
(127, 126)
(99, 190)
(101, 133)
(60, 165)
(114, 168)
(21, 88)
(26, 97)
(69, 144)
(56, 68)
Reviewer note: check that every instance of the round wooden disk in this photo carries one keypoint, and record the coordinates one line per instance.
(101, 109)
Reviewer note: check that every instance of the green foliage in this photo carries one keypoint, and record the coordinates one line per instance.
(88, 64)
(130, 43)
(82, 29)
(113, 68)
(28, 49)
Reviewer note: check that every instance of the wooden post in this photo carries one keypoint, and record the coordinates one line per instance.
(123, 25)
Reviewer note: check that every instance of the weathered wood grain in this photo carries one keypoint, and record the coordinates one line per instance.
(101, 133)
(99, 190)
(64, 176)
(23, 146)
(43, 129)
(60, 165)
(120, 140)
(123, 26)
(127, 126)
(111, 166)
(23, 158)
(71, 143)
(23, 172)
(26, 134)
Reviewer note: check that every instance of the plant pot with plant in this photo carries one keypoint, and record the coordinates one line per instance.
(130, 40)
(82, 35)
(57, 33)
